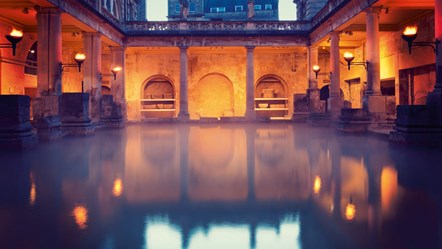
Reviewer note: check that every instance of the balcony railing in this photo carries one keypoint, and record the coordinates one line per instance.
(214, 28)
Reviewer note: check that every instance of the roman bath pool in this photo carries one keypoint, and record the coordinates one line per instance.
(220, 186)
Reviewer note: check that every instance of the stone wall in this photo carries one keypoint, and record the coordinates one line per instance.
(213, 72)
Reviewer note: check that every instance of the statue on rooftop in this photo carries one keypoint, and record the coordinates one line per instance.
(250, 9)
(184, 9)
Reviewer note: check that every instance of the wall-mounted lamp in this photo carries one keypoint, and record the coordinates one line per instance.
(114, 71)
(349, 57)
(410, 34)
(79, 59)
(316, 69)
(14, 37)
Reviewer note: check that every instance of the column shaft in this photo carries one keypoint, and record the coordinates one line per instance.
(335, 89)
(250, 84)
(118, 86)
(184, 101)
(92, 72)
(373, 57)
(49, 52)
(313, 90)
(435, 97)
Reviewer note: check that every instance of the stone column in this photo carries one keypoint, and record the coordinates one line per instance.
(92, 73)
(313, 90)
(118, 86)
(335, 101)
(435, 97)
(184, 100)
(47, 104)
(373, 101)
(250, 84)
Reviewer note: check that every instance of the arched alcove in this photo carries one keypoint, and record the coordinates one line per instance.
(158, 98)
(324, 94)
(271, 97)
(31, 60)
(212, 96)
(105, 90)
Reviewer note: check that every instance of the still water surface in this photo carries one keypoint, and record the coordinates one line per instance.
(230, 186)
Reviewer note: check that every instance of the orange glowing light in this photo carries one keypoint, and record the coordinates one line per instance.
(117, 189)
(80, 57)
(317, 185)
(350, 211)
(410, 30)
(16, 33)
(32, 194)
(316, 68)
(348, 56)
(80, 215)
(116, 69)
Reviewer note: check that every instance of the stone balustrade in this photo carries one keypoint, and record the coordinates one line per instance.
(215, 28)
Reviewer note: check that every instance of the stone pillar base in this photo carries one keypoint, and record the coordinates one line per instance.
(320, 119)
(434, 98)
(49, 128)
(16, 131)
(314, 100)
(250, 116)
(111, 115)
(335, 105)
(75, 114)
(418, 124)
(353, 120)
(300, 117)
(183, 117)
(377, 107)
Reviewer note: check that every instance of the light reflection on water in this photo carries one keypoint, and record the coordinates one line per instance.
(220, 186)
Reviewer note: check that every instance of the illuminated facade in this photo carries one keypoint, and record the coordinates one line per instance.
(232, 70)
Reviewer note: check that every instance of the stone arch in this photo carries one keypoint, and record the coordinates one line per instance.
(31, 60)
(324, 94)
(212, 96)
(158, 87)
(271, 84)
(105, 90)
(159, 97)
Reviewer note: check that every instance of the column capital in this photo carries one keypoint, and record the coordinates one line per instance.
(373, 10)
(48, 10)
(91, 34)
(250, 47)
(335, 34)
(117, 48)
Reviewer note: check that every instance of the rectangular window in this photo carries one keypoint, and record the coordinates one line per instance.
(239, 8)
(217, 9)
(192, 7)
(177, 8)
(268, 7)
(257, 7)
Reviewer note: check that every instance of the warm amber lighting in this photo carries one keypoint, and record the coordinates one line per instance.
(317, 185)
(80, 57)
(16, 33)
(117, 189)
(350, 211)
(115, 70)
(410, 30)
(32, 194)
(80, 215)
(348, 56)
(316, 68)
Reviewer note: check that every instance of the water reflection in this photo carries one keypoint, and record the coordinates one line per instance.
(220, 186)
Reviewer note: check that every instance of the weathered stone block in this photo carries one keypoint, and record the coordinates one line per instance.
(16, 130)
(353, 120)
(75, 114)
(418, 124)
(111, 115)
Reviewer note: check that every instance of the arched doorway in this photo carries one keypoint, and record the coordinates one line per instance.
(212, 96)
(271, 97)
(158, 98)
